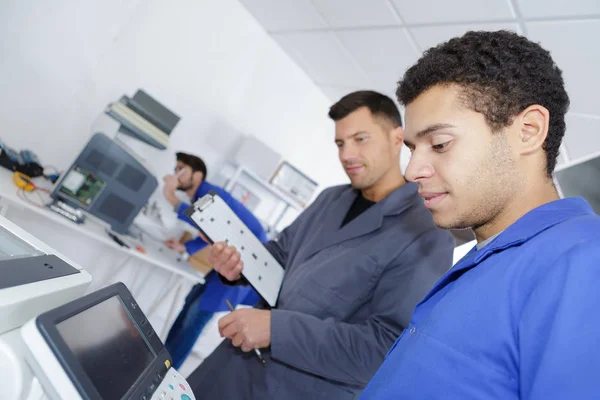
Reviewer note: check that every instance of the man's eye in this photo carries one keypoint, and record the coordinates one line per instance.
(439, 147)
(339, 145)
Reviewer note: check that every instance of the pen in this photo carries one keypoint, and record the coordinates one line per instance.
(257, 351)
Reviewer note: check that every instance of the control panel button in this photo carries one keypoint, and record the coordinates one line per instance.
(185, 397)
(171, 387)
(182, 386)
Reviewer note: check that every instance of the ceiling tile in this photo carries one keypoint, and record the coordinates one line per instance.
(383, 54)
(322, 57)
(558, 8)
(582, 137)
(357, 13)
(435, 11)
(334, 93)
(427, 37)
(570, 44)
(285, 15)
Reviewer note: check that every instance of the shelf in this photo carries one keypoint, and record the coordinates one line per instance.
(270, 188)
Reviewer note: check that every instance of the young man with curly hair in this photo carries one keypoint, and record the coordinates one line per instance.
(517, 317)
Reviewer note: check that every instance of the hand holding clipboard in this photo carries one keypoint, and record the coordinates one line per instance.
(244, 253)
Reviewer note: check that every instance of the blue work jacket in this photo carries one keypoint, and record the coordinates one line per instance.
(517, 319)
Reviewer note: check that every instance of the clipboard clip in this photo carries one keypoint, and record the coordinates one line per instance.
(204, 202)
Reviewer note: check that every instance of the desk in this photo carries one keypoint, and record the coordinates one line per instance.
(50, 227)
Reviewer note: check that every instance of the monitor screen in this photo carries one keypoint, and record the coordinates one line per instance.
(82, 186)
(108, 345)
(581, 180)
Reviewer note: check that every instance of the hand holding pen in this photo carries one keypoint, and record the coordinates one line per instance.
(247, 328)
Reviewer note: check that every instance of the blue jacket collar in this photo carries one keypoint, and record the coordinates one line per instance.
(203, 189)
(535, 222)
(528, 226)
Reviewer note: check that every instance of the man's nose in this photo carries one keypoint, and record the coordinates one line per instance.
(418, 168)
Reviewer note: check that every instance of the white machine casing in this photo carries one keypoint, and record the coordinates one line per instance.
(29, 368)
(21, 303)
(45, 366)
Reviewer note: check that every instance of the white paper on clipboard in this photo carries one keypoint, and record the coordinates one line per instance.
(219, 223)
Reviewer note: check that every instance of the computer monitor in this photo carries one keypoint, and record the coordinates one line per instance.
(108, 182)
(581, 179)
(101, 346)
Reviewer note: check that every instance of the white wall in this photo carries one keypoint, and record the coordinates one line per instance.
(62, 61)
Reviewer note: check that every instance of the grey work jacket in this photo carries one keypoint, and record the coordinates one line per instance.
(347, 294)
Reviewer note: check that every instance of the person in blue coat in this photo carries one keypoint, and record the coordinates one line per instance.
(517, 317)
(204, 299)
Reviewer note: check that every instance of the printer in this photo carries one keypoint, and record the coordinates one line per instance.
(57, 343)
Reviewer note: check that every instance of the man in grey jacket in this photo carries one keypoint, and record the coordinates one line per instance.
(356, 263)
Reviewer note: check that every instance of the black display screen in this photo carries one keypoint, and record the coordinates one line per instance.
(108, 345)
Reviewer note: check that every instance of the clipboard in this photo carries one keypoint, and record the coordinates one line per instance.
(218, 223)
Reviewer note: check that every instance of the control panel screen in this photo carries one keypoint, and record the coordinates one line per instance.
(108, 345)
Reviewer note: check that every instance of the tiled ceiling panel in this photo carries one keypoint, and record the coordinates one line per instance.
(574, 48)
(436, 11)
(383, 54)
(345, 45)
(558, 8)
(357, 13)
(334, 93)
(429, 36)
(323, 55)
(284, 15)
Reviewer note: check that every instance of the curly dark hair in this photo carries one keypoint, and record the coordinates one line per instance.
(500, 74)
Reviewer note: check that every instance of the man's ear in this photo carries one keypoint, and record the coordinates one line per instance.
(397, 135)
(198, 176)
(533, 128)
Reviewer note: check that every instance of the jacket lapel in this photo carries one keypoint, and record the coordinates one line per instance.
(333, 216)
(330, 234)
(365, 223)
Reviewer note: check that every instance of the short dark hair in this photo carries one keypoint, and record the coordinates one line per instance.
(500, 74)
(379, 104)
(192, 161)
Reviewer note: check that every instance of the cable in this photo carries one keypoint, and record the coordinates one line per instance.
(22, 196)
